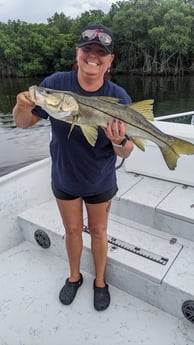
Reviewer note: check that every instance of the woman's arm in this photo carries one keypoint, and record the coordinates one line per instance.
(22, 111)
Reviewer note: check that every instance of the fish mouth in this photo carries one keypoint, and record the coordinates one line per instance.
(93, 63)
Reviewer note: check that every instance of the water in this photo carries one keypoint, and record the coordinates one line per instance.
(20, 147)
(171, 95)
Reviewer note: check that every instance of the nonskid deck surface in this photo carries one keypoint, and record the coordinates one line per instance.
(165, 205)
(31, 313)
(129, 243)
(150, 256)
(143, 261)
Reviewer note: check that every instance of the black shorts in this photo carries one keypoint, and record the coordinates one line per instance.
(91, 199)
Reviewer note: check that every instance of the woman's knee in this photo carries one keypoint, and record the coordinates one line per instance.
(98, 231)
(73, 230)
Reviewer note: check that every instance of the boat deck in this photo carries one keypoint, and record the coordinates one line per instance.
(150, 265)
(31, 314)
(143, 260)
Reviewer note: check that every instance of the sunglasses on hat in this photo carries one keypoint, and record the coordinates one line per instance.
(91, 34)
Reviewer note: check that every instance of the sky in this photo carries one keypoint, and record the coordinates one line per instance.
(38, 11)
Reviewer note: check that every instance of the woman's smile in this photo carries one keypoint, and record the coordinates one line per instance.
(92, 63)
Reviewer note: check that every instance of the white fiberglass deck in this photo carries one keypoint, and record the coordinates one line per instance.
(149, 254)
(32, 315)
(146, 214)
(165, 285)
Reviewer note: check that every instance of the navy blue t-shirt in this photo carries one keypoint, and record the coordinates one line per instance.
(77, 167)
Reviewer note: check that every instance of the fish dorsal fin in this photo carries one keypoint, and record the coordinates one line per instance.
(109, 99)
(145, 108)
(90, 133)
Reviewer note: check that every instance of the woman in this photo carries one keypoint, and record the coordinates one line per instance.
(80, 172)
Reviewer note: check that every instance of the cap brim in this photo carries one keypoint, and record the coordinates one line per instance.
(83, 44)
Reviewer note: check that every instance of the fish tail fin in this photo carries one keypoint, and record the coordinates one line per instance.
(172, 152)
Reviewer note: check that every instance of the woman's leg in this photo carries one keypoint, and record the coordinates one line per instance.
(97, 224)
(72, 216)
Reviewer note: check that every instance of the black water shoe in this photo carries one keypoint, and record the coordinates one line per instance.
(69, 290)
(101, 297)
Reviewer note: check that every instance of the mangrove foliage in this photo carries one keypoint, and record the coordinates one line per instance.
(152, 37)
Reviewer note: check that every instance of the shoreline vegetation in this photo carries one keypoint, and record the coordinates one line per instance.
(153, 37)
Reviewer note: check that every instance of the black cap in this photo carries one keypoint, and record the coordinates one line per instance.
(99, 28)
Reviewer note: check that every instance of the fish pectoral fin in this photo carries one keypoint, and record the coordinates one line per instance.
(145, 108)
(90, 133)
(109, 99)
(139, 143)
(72, 125)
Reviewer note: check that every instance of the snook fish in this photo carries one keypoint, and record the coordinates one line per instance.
(91, 112)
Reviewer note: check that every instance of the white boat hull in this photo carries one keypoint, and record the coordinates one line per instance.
(151, 162)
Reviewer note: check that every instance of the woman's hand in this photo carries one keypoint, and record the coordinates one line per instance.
(22, 111)
(115, 132)
(23, 100)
